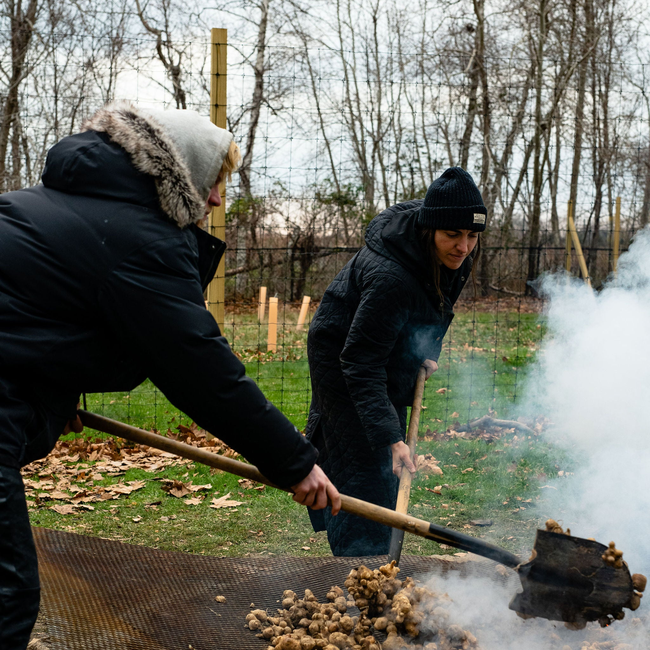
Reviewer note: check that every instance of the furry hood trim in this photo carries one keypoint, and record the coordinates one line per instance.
(154, 153)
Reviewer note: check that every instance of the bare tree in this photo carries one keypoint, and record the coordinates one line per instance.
(169, 52)
(21, 21)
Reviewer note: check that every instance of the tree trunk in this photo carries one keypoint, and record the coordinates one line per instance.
(22, 29)
(534, 226)
(249, 217)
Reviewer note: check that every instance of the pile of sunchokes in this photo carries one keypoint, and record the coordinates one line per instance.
(402, 613)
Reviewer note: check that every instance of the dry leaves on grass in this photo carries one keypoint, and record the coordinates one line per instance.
(224, 502)
(116, 456)
(47, 490)
(66, 509)
(74, 468)
(247, 484)
(428, 465)
(179, 489)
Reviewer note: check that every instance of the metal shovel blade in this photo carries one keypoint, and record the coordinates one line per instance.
(568, 580)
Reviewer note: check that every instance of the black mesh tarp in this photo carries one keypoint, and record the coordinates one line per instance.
(104, 595)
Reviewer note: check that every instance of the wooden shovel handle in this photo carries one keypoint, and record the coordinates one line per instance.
(404, 494)
(348, 504)
(406, 478)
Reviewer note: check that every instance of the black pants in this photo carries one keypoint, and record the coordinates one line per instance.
(19, 584)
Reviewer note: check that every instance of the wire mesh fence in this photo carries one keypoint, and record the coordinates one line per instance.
(334, 130)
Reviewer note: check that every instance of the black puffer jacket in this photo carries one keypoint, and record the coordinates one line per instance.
(378, 321)
(99, 289)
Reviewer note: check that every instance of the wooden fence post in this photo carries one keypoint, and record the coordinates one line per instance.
(272, 340)
(571, 226)
(568, 236)
(617, 234)
(262, 305)
(304, 308)
(217, 223)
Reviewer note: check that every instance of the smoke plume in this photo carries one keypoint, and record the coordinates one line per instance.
(592, 380)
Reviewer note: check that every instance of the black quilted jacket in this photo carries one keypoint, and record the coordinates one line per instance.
(378, 321)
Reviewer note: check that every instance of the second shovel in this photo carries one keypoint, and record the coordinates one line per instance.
(404, 493)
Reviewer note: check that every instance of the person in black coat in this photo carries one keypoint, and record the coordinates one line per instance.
(384, 315)
(102, 273)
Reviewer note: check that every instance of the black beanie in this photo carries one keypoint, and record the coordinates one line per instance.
(453, 202)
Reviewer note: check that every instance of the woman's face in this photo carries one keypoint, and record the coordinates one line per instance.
(453, 246)
(214, 198)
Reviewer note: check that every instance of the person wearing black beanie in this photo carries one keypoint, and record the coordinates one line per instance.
(383, 316)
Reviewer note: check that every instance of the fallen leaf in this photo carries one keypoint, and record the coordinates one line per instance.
(442, 391)
(193, 501)
(469, 469)
(225, 502)
(178, 489)
(428, 465)
(126, 488)
(137, 519)
(455, 415)
(198, 488)
(220, 599)
(481, 522)
(66, 509)
(306, 548)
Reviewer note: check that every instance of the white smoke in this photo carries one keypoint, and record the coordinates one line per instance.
(480, 605)
(592, 380)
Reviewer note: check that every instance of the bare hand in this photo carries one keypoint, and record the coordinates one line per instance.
(402, 458)
(431, 366)
(74, 425)
(316, 491)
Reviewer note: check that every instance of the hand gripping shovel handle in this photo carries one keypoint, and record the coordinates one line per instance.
(349, 504)
(404, 492)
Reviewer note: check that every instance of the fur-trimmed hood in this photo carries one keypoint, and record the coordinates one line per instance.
(153, 152)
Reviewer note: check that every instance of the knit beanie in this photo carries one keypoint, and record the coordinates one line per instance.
(453, 202)
(202, 144)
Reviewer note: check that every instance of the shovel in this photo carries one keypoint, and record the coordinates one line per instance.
(566, 579)
(404, 491)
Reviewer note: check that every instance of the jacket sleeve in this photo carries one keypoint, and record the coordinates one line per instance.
(379, 318)
(154, 303)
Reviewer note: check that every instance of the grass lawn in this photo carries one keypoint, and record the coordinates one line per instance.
(483, 365)
(501, 479)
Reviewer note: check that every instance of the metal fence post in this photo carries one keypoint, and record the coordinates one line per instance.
(217, 225)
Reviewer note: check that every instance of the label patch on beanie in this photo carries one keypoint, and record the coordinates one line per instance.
(479, 218)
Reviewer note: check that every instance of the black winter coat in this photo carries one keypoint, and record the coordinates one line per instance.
(99, 289)
(378, 321)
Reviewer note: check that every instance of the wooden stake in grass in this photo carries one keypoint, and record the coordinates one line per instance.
(262, 305)
(617, 235)
(572, 237)
(273, 326)
(304, 309)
